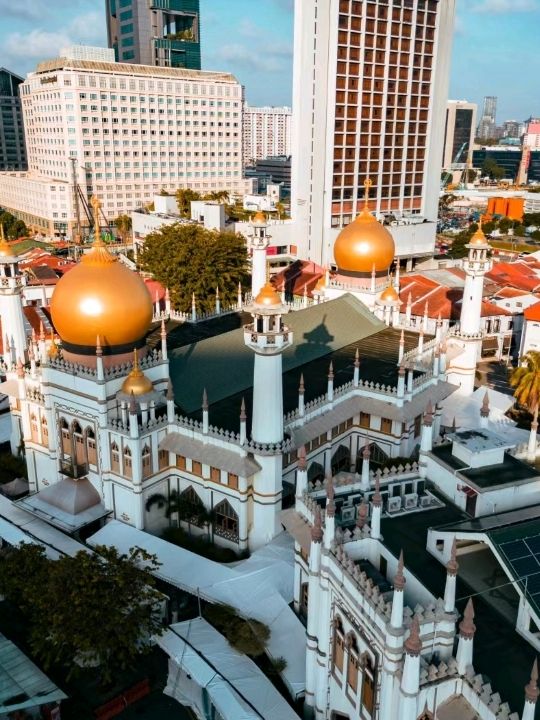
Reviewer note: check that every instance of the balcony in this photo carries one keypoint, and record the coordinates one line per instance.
(73, 470)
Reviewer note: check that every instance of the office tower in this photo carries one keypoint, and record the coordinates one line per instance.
(133, 130)
(267, 132)
(12, 149)
(369, 100)
(487, 127)
(459, 133)
(166, 33)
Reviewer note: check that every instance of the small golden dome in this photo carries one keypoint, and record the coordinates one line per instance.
(268, 297)
(137, 382)
(259, 218)
(100, 296)
(479, 238)
(389, 295)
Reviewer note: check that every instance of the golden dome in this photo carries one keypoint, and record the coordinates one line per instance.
(259, 218)
(101, 297)
(364, 244)
(268, 297)
(479, 238)
(389, 295)
(137, 382)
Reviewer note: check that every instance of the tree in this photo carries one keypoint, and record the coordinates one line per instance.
(471, 175)
(505, 224)
(123, 224)
(190, 259)
(184, 197)
(459, 249)
(492, 169)
(525, 380)
(96, 608)
(519, 230)
(247, 636)
(528, 219)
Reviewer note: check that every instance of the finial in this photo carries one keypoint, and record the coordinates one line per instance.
(34, 335)
(217, 292)
(409, 299)
(316, 530)
(377, 497)
(331, 371)
(243, 416)
(531, 689)
(96, 206)
(302, 457)
(413, 644)
(163, 329)
(193, 301)
(135, 359)
(170, 394)
(467, 628)
(454, 426)
(356, 359)
(99, 350)
(484, 410)
(367, 187)
(330, 493)
(132, 404)
(452, 565)
(204, 400)
(362, 515)
(399, 578)
(439, 319)
(301, 387)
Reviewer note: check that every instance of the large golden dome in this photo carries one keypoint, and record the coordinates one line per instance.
(364, 244)
(101, 297)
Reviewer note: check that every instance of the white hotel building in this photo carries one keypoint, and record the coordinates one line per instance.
(370, 91)
(267, 132)
(133, 129)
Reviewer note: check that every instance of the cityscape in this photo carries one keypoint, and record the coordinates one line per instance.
(270, 360)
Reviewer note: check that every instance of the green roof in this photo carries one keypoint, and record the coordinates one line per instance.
(224, 365)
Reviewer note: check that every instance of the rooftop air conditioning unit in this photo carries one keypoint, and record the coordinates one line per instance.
(425, 501)
(411, 501)
(394, 504)
(348, 514)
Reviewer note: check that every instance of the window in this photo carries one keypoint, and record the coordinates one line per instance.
(338, 644)
(127, 463)
(146, 461)
(352, 663)
(180, 462)
(196, 468)
(368, 685)
(417, 426)
(115, 458)
(386, 426)
(91, 446)
(232, 481)
(304, 593)
(365, 419)
(226, 523)
(66, 439)
(191, 507)
(163, 459)
(215, 474)
(34, 428)
(44, 432)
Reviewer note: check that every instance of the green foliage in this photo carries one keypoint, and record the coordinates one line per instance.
(184, 197)
(13, 227)
(200, 545)
(98, 606)
(535, 235)
(123, 224)
(12, 467)
(531, 219)
(459, 243)
(249, 637)
(519, 230)
(505, 224)
(190, 259)
(489, 227)
(525, 380)
(492, 169)
(471, 175)
(279, 665)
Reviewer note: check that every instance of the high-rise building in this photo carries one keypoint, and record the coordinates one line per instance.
(166, 33)
(267, 132)
(133, 130)
(513, 129)
(370, 92)
(12, 148)
(459, 133)
(487, 127)
(532, 136)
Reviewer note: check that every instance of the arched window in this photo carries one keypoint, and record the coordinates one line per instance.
(190, 507)
(127, 462)
(34, 430)
(115, 458)
(338, 644)
(353, 663)
(146, 461)
(44, 431)
(65, 437)
(78, 439)
(368, 684)
(91, 452)
(226, 523)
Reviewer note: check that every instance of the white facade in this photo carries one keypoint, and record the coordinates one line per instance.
(87, 52)
(460, 128)
(134, 130)
(267, 132)
(360, 111)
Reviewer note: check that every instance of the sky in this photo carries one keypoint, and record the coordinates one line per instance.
(495, 45)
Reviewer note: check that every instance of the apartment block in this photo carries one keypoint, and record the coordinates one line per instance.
(267, 132)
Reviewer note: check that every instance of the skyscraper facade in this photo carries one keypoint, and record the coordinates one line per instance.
(487, 127)
(166, 33)
(459, 133)
(267, 132)
(370, 93)
(12, 148)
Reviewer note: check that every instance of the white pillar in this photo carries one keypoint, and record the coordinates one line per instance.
(401, 347)
(267, 422)
(467, 629)
(376, 511)
(170, 402)
(243, 423)
(313, 609)
(164, 354)
(205, 420)
(356, 376)
(365, 483)
(330, 389)
(401, 382)
(410, 680)
(258, 271)
(301, 473)
(396, 618)
(301, 397)
(484, 412)
(330, 517)
(452, 568)
(426, 440)
(531, 694)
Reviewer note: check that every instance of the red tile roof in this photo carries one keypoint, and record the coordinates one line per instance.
(533, 312)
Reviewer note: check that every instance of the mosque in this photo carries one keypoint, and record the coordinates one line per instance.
(97, 417)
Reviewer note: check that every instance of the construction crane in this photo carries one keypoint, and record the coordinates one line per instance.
(448, 174)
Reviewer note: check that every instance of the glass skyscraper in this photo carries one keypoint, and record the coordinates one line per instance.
(12, 147)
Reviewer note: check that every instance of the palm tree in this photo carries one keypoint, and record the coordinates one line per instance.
(525, 380)
(123, 225)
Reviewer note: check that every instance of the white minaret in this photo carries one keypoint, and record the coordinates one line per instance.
(469, 336)
(410, 678)
(258, 243)
(12, 283)
(268, 337)
(393, 649)
(467, 628)
(531, 694)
